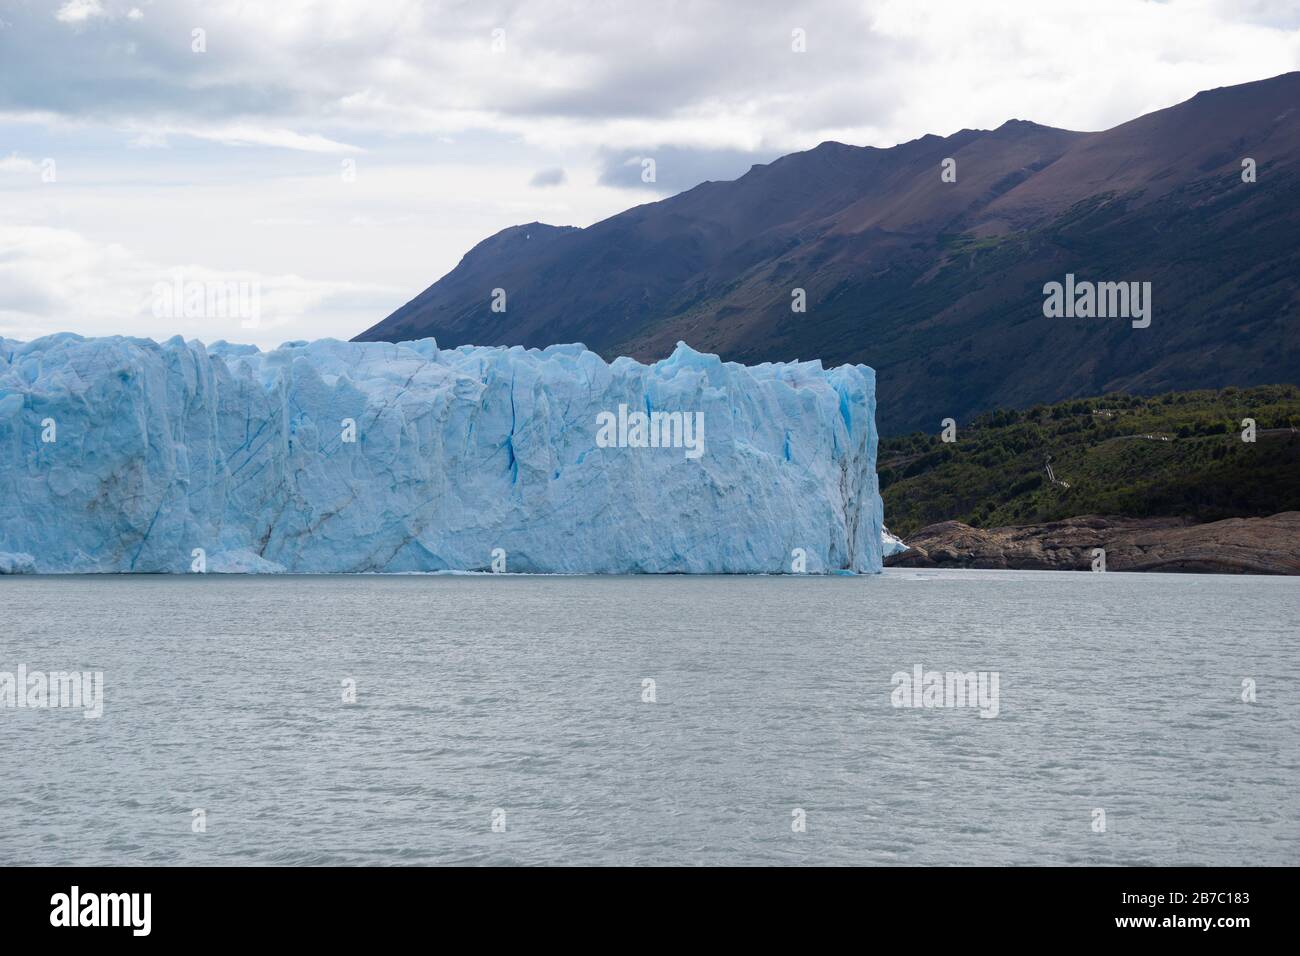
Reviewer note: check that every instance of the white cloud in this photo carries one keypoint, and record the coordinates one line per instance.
(448, 135)
(54, 280)
(13, 163)
(710, 74)
(246, 135)
(1082, 66)
(77, 11)
(332, 257)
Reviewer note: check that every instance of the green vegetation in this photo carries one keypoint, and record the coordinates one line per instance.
(1180, 453)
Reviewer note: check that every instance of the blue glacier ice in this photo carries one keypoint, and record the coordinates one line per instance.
(17, 563)
(123, 454)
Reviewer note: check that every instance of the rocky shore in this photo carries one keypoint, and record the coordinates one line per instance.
(1233, 546)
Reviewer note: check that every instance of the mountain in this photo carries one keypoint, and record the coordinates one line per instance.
(937, 285)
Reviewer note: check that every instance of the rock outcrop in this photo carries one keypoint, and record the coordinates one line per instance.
(1233, 546)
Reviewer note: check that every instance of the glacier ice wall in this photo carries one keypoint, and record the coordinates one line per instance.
(122, 454)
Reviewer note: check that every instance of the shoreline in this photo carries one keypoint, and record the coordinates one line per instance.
(1263, 546)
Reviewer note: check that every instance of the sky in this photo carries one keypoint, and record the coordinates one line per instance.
(332, 159)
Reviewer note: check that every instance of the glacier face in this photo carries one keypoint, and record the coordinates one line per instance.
(122, 454)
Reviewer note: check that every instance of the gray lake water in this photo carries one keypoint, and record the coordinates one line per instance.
(478, 694)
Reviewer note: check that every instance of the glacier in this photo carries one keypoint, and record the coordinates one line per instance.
(123, 454)
(891, 543)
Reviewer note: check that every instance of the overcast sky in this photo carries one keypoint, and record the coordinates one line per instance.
(344, 155)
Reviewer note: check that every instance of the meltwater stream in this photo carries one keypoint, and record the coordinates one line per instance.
(523, 700)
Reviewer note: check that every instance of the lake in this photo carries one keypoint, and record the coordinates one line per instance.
(656, 720)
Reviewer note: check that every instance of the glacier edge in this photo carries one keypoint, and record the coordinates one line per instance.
(121, 454)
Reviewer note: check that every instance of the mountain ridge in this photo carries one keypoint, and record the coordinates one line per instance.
(935, 284)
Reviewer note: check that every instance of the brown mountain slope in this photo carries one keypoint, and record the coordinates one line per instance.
(938, 285)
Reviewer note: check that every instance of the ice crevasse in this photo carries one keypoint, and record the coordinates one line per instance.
(123, 454)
